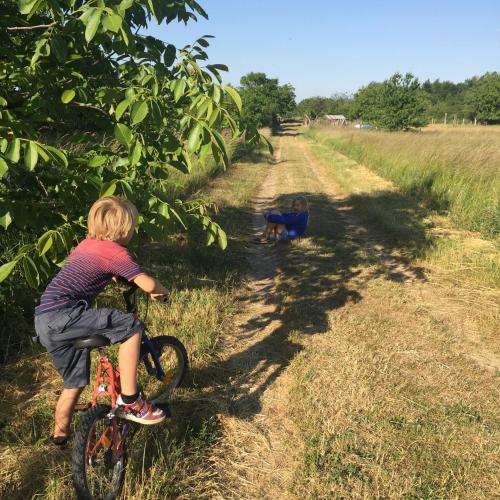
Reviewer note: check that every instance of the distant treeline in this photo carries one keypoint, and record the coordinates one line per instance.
(475, 99)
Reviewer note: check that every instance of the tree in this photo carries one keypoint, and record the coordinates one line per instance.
(398, 103)
(338, 104)
(131, 107)
(368, 103)
(264, 99)
(483, 98)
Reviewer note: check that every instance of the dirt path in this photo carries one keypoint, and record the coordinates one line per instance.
(261, 452)
(251, 462)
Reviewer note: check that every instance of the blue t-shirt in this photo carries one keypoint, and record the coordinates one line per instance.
(295, 221)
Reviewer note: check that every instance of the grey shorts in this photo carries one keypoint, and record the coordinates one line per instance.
(56, 328)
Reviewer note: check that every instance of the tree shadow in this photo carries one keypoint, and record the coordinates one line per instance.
(343, 250)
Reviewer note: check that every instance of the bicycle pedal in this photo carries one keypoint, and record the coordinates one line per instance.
(165, 408)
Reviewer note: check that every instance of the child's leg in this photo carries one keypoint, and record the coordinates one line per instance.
(64, 410)
(280, 230)
(128, 360)
(269, 231)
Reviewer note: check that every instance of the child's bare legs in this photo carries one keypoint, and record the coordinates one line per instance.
(273, 230)
(128, 360)
(279, 230)
(64, 410)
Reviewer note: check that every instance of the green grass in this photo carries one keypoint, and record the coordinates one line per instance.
(458, 173)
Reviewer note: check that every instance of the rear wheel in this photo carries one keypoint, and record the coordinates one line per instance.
(99, 454)
(173, 359)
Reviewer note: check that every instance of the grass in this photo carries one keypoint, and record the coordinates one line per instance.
(453, 172)
(170, 461)
(388, 395)
(414, 225)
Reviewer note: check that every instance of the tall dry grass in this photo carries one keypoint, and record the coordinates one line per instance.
(456, 172)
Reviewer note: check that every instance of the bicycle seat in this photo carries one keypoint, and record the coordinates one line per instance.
(91, 342)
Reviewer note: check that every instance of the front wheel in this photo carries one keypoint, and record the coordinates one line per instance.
(99, 454)
(173, 359)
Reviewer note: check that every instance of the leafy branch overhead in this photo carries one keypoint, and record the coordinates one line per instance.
(127, 108)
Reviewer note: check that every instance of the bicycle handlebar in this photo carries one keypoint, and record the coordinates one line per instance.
(129, 295)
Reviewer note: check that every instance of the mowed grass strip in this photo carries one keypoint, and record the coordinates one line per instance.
(168, 461)
(386, 392)
(456, 172)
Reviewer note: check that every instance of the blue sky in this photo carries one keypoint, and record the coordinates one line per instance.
(327, 46)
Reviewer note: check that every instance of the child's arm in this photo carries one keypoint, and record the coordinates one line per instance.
(286, 218)
(151, 285)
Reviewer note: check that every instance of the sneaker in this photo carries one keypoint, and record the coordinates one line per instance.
(140, 411)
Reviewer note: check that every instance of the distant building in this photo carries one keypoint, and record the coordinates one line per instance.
(338, 120)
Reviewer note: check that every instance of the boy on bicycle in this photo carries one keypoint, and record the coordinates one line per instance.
(64, 313)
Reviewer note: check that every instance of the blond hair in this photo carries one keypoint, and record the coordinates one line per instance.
(111, 218)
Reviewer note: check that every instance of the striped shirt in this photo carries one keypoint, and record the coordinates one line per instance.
(89, 268)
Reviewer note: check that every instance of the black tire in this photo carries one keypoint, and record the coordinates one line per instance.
(175, 364)
(96, 477)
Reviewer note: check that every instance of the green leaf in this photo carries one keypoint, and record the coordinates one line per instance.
(97, 161)
(14, 150)
(169, 55)
(25, 6)
(139, 112)
(194, 138)
(7, 268)
(93, 24)
(31, 272)
(234, 96)
(45, 242)
(178, 89)
(3, 145)
(3, 102)
(67, 96)
(112, 22)
(123, 134)
(136, 153)
(4, 168)
(202, 42)
(210, 238)
(108, 188)
(164, 209)
(121, 108)
(31, 155)
(5, 217)
(57, 154)
(221, 238)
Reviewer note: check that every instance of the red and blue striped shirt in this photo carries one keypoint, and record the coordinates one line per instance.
(89, 268)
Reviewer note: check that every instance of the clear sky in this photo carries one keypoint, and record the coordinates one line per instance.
(327, 46)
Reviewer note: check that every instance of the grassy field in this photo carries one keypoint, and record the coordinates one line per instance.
(411, 214)
(163, 463)
(361, 361)
(392, 397)
(449, 169)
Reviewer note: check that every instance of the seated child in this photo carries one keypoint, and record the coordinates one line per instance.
(64, 313)
(286, 226)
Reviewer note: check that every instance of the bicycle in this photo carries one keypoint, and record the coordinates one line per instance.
(99, 444)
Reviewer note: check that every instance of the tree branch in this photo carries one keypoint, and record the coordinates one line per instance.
(90, 106)
(37, 26)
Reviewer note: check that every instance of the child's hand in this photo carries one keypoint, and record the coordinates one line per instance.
(160, 297)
